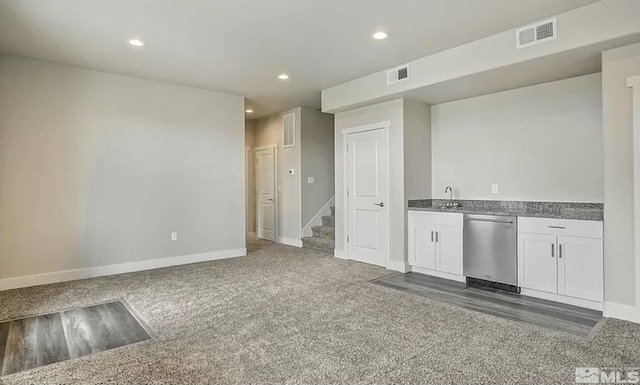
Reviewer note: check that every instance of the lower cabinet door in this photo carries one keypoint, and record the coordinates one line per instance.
(422, 250)
(580, 267)
(449, 249)
(537, 262)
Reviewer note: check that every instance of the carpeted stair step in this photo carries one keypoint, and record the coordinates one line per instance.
(321, 244)
(324, 232)
(329, 221)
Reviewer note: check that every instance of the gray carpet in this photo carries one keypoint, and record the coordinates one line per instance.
(284, 315)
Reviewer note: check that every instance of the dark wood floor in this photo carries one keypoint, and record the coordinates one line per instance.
(551, 315)
(41, 340)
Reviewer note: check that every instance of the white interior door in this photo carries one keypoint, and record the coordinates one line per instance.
(265, 187)
(367, 196)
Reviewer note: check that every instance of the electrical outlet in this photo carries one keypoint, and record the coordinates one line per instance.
(494, 189)
(174, 236)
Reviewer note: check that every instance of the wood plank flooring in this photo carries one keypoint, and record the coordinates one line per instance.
(41, 340)
(551, 315)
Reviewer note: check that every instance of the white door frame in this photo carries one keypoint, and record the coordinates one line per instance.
(273, 146)
(385, 126)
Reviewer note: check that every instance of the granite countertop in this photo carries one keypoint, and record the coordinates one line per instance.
(558, 210)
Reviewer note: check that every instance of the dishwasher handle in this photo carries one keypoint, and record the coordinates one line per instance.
(471, 219)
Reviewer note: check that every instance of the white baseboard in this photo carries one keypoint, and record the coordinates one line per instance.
(440, 274)
(400, 266)
(129, 267)
(290, 241)
(622, 311)
(340, 254)
(317, 219)
(593, 305)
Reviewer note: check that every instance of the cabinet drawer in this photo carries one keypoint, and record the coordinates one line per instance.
(566, 227)
(453, 219)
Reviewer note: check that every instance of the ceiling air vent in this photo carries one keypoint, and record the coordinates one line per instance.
(536, 33)
(397, 74)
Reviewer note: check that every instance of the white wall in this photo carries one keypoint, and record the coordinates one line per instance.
(417, 150)
(250, 194)
(269, 131)
(317, 152)
(634, 82)
(98, 169)
(619, 277)
(539, 143)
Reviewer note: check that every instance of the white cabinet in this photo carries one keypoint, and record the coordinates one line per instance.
(580, 267)
(537, 266)
(422, 251)
(449, 249)
(435, 243)
(561, 259)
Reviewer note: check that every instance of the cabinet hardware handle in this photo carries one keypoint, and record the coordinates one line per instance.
(486, 220)
(553, 250)
(431, 236)
(560, 253)
(557, 227)
(436, 237)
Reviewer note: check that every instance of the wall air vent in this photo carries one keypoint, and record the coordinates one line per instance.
(536, 33)
(289, 130)
(397, 74)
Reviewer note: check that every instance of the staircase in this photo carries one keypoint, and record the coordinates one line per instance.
(324, 236)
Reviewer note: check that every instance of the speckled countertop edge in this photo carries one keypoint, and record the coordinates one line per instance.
(554, 210)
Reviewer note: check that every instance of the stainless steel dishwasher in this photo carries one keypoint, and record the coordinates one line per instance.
(489, 249)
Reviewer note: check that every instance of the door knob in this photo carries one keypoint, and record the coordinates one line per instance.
(270, 199)
(381, 204)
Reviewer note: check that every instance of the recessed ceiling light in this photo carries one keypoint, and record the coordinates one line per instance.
(380, 35)
(249, 111)
(283, 76)
(136, 43)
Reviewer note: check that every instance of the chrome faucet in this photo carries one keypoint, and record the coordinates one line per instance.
(449, 190)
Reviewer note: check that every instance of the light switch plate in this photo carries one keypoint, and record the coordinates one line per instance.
(311, 180)
(494, 189)
(174, 236)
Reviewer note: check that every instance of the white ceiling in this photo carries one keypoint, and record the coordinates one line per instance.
(240, 46)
